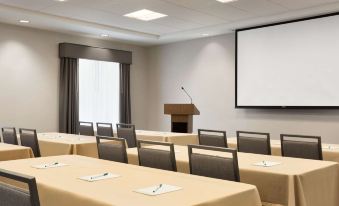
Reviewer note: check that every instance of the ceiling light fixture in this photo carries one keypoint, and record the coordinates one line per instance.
(104, 35)
(205, 34)
(226, 1)
(145, 15)
(61, 0)
(24, 21)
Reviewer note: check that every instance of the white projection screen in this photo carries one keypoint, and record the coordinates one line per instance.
(292, 64)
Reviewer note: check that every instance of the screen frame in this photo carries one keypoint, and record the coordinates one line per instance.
(270, 25)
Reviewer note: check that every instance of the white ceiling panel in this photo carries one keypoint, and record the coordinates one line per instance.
(106, 18)
(29, 4)
(259, 7)
(213, 8)
(187, 19)
(301, 4)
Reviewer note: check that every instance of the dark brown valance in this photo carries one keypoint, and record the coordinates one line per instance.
(101, 54)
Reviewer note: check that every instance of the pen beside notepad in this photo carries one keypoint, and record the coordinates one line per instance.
(266, 164)
(158, 189)
(97, 177)
(49, 165)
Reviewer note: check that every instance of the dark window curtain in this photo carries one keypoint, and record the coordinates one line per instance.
(69, 98)
(125, 96)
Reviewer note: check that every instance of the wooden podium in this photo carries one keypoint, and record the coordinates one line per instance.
(181, 116)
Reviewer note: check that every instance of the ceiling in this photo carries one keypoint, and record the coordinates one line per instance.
(187, 19)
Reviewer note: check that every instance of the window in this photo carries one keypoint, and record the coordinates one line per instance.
(98, 91)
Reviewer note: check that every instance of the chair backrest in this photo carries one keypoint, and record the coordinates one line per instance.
(213, 138)
(254, 142)
(14, 196)
(86, 128)
(29, 138)
(157, 157)
(114, 150)
(127, 132)
(225, 168)
(105, 129)
(9, 135)
(301, 146)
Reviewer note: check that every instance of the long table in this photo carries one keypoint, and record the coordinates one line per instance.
(61, 186)
(52, 144)
(295, 182)
(330, 151)
(175, 138)
(13, 152)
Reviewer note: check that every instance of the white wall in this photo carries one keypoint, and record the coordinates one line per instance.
(29, 77)
(206, 68)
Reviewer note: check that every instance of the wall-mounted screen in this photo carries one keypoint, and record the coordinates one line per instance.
(292, 64)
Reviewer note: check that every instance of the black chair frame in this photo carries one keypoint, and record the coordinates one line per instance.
(30, 181)
(106, 124)
(120, 140)
(10, 128)
(200, 131)
(150, 143)
(218, 149)
(36, 141)
(123, 125)
(317, 138)
(268, 138)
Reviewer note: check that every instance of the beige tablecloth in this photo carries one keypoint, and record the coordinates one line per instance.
(175, 138)
(61, 186)
(52, 144)
(295, 182)
(330, 151)
(13, 152)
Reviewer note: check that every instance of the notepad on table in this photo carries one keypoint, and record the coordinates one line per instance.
(331, 147)
(158, 189)
(266, 164)
(49, 165)
(97, 177)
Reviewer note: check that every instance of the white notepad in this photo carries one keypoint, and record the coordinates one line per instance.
(266, 164)
(158, 189)
(330, 147)
(97, 177)
(49, 165)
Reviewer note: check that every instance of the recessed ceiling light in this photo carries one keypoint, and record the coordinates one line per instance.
(226, 1)
(61, 0)
(205, 34)
(145, 15)
(104, 35)
(24, 21)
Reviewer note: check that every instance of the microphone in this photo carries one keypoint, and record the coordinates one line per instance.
(183, 89)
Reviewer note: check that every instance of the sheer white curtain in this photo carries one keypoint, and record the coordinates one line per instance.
(98, 91)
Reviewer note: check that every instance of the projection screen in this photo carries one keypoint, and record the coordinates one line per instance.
(292, 64)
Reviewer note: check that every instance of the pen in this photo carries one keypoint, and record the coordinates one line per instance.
(157, 188)
(98, 176)
(49, 165)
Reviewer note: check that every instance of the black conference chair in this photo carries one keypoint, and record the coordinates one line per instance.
(86, 128)
(213, 138)
(127, 132)
(214, 166)
(113, 150)
(9, 135)
(105, 129)
(156, 157)
(29, 138)
(301, 146)
(254, 142)
(14, 196)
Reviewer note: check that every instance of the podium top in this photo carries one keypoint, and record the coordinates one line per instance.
(181, 109)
